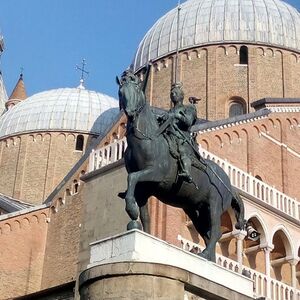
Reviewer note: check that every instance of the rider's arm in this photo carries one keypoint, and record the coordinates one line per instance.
(187, 116)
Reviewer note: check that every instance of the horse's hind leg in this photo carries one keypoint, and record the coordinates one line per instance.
(214, 232)
(239, 211)
(201, 224)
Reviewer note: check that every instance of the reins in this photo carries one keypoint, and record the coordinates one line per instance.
(135, 127)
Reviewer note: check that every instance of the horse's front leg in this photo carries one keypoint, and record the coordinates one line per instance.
(133, 178)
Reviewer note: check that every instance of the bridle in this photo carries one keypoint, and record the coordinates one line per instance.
(138, 109)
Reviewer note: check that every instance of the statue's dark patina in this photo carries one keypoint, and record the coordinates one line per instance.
(182, 178)
(179, 119)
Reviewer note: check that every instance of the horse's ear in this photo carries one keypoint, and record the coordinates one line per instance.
(118, 81)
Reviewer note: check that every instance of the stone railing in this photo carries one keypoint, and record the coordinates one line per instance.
(255, 187)
(264, 286)
(107, 154)
(239, 179)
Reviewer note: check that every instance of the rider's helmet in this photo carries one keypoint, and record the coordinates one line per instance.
(176, 93)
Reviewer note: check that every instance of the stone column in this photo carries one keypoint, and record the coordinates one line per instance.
(293, 263)
(240, 236)
(267, 249)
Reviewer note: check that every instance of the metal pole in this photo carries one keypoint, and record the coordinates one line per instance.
(177, 45)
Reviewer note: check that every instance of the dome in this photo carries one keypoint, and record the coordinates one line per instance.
(204, 22)
(67, 109)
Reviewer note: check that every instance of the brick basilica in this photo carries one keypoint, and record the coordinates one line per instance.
(61, 152)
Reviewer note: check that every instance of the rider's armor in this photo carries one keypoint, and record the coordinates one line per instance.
(175, 125)
(183, 117)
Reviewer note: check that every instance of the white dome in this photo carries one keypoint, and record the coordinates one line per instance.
(204, 22)
(67, 109)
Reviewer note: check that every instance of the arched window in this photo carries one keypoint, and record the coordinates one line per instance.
(244, 55)
(237, 107)
(279, 255)
(75, 187)
(79, 142)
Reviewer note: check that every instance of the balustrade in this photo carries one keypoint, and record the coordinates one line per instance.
(107, 154)
(240, 179)
(277, 291)
(256, 187)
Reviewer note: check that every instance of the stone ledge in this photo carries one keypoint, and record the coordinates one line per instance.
(192, 283)
(88, 176)
(135, 252)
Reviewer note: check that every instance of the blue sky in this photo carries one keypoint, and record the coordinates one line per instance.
(49, 37)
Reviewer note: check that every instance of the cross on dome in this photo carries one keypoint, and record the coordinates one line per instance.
(83, 72)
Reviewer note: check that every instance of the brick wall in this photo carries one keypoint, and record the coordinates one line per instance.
(9, 154)
(31, 165)
(254, 146)
(214, 74)
(161, 82)
(194, 77)
(62, 246)
(23, 241)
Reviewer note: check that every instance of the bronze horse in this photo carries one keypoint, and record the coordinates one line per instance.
(153, 171)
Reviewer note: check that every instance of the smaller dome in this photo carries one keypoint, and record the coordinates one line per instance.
(66, 109)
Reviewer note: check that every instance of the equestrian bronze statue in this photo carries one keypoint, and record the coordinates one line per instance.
(162, 160)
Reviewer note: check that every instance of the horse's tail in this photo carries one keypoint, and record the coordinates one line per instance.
(239, 211)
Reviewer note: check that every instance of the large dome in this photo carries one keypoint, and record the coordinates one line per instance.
(203, 22)
(67, 109)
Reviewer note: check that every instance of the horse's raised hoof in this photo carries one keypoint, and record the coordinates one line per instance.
(134, 225)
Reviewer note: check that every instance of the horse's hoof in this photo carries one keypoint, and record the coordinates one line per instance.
(203, 255)
(134, 225)
(207, 256)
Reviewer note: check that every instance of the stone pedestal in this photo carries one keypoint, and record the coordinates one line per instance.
(137, 266)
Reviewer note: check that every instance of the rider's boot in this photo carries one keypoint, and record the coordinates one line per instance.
(186, 168)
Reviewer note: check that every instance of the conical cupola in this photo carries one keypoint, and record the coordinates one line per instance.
(18, 94)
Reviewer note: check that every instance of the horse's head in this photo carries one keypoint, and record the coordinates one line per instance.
(131, 94)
